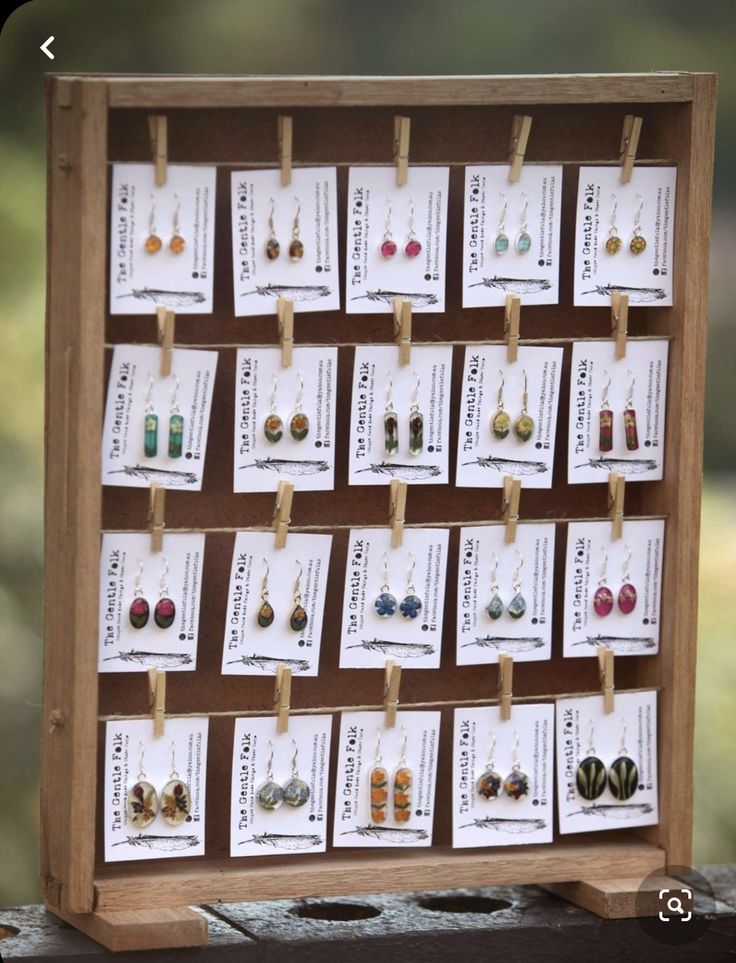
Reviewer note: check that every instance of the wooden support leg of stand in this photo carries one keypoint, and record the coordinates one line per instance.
(618, 899)
(148, 929)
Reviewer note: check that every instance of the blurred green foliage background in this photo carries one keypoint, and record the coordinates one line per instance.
(334, 37)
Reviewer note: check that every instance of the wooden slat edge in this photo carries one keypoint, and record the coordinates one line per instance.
(143, 929)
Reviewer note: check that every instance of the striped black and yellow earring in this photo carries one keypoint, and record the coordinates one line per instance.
(623, 775)
(265, 612)
(590, 776)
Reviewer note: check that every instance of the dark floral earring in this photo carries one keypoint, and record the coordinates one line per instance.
(627, 593)
(142, 801)
(298, 617)
(299, 424)
(494, 609)
(139, 610)
(176, 800)
(273, 426)
(385, 603)
(489, 783)
(273, 248)
(265, 612)
(590, 776)
(411, 604)
(296, 248)
(517, 606)
(623, 776)
(516, 784)
(416, 422)
(296, 790)
(270, 795)
(165, 611)
(390, 422)
(603, 598)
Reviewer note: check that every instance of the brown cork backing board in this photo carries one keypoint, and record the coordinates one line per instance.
(232, 122)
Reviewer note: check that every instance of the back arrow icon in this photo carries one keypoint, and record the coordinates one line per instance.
(45, 47)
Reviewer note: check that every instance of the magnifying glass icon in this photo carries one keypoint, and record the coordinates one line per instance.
(674, 905)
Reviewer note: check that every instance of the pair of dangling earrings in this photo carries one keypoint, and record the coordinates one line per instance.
(153, 242)
(523, 241)
(273, 426)
(385, 603)
(266, 614)
(391, 422)
(517, 606)
(296, 247)
(627, 595)
(402, 789)
(491, 784)
(622, 776)
(501, 420)
(638, 243)
(150, 424)
(412, 246)
(165, 611)
(143, 803)
(605, 431)
(295, 792)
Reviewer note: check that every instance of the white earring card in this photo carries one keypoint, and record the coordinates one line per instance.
(483, 744)
(289, 829)
(380, 383)
(183, 207)
(251, 648)
(584, 729)
(483, 459)
(264, 386)
(635, 383)
(511, 238)
(379, 210)
(136, 390)
(608, 209)
(594, 559)
(133, 753)
(130, 569)
(396, 611)
(416, 734)
(312, 281)
(526, 637)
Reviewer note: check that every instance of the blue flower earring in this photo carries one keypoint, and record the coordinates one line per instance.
(385, 603)
(411, 604)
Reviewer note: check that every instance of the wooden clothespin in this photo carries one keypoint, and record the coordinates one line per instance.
(156, 524)
(285, 128)
(282, 697)
(605, 664)
(402, 329)
(510, 506)
(157, 699)
(402, 130)
(157, 127)
(285, 313)
(629, 145)
(505, 685)
(391, 692)
(517, 147)
(620, 322)
(282, 512)
(397, 510)
(511, 320)
(616, 495)
(166, 322)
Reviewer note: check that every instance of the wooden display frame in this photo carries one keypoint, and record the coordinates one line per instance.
(232, 122)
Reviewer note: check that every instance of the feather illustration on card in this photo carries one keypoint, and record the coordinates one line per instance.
(624, 645)
(405, 472)
(295, 292)
(509, 466)
(501, 825)
(165, 844)
(289, 466)
(417, 299)
(267, 663)
(625, 466)
(168, 476)
(514, 285)
(387, 834)
(505, 644)
(285, 841)
(407, 650)
(159, 660)
(169, 299)
(640, 295)
(618, 811)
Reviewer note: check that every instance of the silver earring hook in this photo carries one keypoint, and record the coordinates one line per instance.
(152, 216)
(591, 744)
(390, 393)
(415, 393)
(410, 578)
(412, 235)
(402, 754)
(525, 398)
(294, 769)
(525, 205)
(384, 587)
(614, 209)
(174, 405)
(516, 765)
(516, 578)
(622, 748)
(494, 572)
(272, 402)
(491, 758)
(139, 575)
(637, 215)
(163, 586)
(264, 583)
(176, 213)
(604, 399)
(299, 393)
(149, 393)
(502, 216)
(174, 773)
(297, 584)
(500, 389)
(630, 389)
(141, 770)
(604, 566)
(627, 562)
(378, 758)
(295, 229)
(269, 762)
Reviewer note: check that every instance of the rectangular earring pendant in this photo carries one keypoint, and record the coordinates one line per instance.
(402, 794)
(416, 433)
(605, 431)
(391, 432)
(632, 437)
(176, 435)
(379, 794)
(150, 435)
